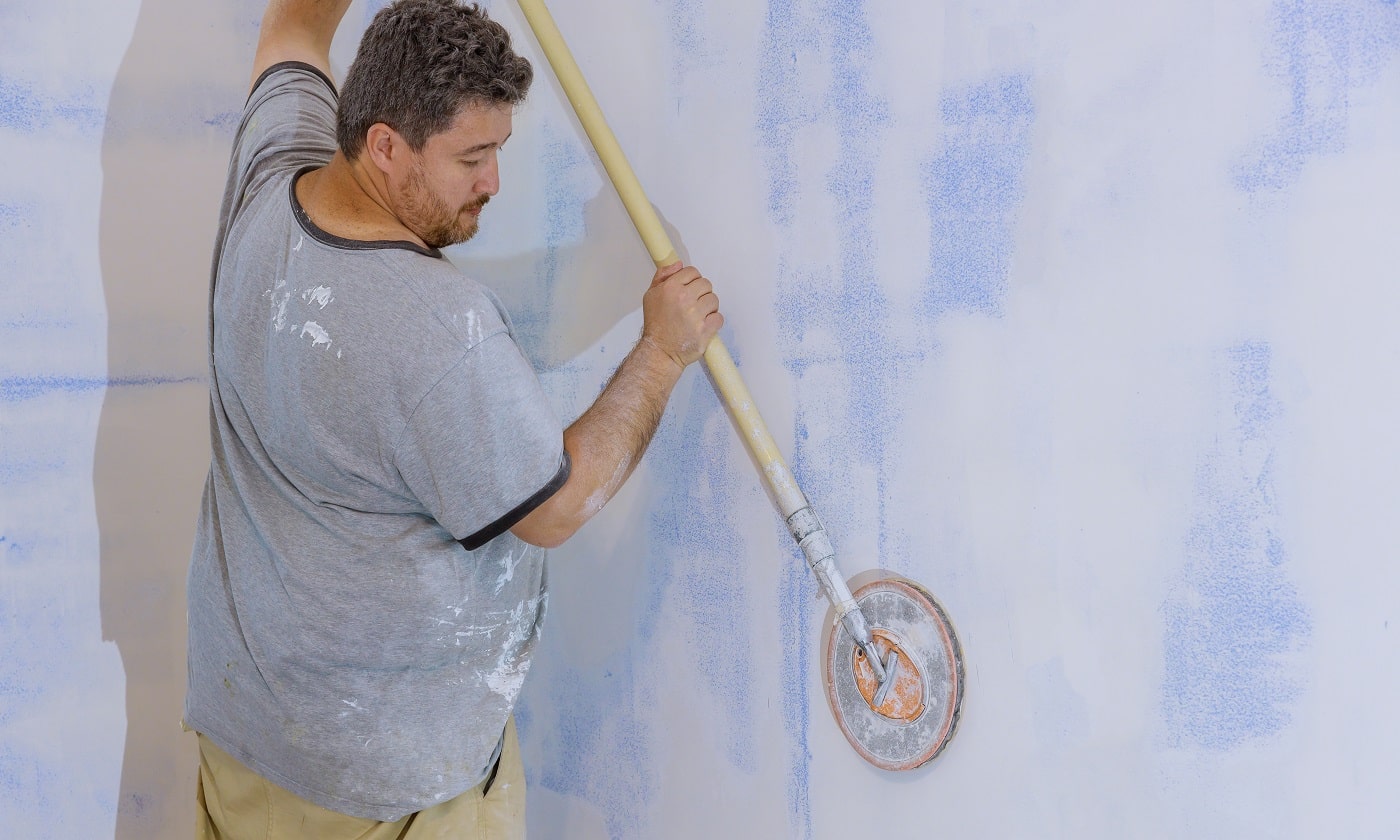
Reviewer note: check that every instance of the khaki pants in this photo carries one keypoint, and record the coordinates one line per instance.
(237, 804)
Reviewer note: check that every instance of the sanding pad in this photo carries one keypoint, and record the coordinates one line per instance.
(918, 714)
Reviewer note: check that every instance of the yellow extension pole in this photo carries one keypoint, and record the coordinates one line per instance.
(730, 385)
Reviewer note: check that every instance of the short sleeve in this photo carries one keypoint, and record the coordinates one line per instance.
(288, 123)
(484, 447)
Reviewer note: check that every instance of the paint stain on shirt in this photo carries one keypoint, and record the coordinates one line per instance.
(509, 673)
(316, 333)
(279, 295)
(321, 296)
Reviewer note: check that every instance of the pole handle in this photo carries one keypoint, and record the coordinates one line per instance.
(782, 486)
(624, 180)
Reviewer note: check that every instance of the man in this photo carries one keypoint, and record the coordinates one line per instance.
(368, 577)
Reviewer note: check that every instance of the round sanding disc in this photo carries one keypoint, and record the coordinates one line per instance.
(918, 714)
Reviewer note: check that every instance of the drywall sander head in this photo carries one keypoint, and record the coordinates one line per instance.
(906, 720)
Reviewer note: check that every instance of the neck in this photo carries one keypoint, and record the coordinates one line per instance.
(350, 199)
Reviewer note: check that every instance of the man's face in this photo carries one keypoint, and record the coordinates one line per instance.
(448, 182)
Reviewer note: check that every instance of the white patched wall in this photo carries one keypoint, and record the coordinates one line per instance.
(1079, 316)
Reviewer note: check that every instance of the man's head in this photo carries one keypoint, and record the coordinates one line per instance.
(428, 101)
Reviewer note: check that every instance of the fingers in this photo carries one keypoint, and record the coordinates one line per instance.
(697, 287)
(685, 286)
(705, 311)
(714, 319)
(708, 302)
(713, 323)
(681, 312)
(681, 276)
(696, 296)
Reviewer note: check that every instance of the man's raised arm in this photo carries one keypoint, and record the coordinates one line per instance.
(298, 30)
(680, 314)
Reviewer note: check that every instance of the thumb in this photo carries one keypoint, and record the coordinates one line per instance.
(666, 271)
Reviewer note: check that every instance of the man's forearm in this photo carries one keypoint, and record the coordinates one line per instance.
(298, 30)
(606, 443)
(317, 20)
(680, 315)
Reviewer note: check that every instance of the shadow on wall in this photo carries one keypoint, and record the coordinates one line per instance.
(171, 116)
(164, 154)
(563, 300)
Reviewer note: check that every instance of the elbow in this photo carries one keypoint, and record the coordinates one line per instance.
(558, 518)
(549, 540)
(545, 532)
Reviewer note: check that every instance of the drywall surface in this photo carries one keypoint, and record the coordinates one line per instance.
(1079, 314)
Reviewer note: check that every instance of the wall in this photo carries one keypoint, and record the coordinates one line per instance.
(1079, 314)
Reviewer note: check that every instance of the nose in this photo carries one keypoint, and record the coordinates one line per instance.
(490, 180)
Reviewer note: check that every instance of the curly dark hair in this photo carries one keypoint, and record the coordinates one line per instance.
(419, 63)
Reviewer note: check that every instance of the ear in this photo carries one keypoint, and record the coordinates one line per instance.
(385, 148)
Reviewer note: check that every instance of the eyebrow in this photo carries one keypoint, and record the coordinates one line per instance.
(481, 147)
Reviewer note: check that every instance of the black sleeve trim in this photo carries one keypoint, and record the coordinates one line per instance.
(505, 523)
(283, 65)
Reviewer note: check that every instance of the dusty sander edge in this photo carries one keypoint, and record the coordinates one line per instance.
(919, 595)
(960, 670)
(880, 580)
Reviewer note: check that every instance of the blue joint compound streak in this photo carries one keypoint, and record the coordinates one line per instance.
(697, 549)
(1234, 616)
(796, 592)
(15, 472)
(859, 315)
(39, 663)
(566, 194)
(25, 109)
(32, 635)
(689, 50)
(15, 553)
(973, 187)
(226, 122)
(30, 777)
(14, 216)
(1321, 51)
(27, 321)
(599, 750)
(19, 388)
(782, 114)
(11, 550)
(604, 750)
(845, 303)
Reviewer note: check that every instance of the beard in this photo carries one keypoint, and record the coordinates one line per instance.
(437, 224)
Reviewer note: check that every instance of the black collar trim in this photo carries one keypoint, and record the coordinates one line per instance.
(341, 242)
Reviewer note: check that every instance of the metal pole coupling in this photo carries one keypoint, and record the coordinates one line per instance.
(821, 557)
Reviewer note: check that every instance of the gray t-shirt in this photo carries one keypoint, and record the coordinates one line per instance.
(372, 420)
